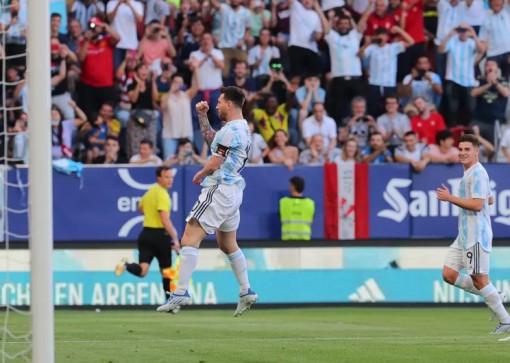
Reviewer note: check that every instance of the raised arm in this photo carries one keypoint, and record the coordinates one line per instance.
(205, 127)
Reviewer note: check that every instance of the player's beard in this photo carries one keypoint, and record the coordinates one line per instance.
(222, 115)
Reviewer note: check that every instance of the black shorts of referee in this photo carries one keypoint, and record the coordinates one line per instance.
(155, 242)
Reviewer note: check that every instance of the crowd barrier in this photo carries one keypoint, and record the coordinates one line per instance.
(377, 201)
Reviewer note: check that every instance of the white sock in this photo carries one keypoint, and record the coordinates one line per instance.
(492, 299)
(465, 282)
(189, 259)
(238, 264)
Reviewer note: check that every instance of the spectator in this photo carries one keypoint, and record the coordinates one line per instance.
(393, 125)
(491, 100)
(410, 18)
(209, 62)
(143, 96)
(155, 46)
(158, 11)
(96, 137)
(61, 56)
(176, 108)
(359, 124)
(234, 31)
(280, 22)
(83, 10)
(427, 123)
(73, 44)
(343, 37)
(278, 84)
(382, 58)
(145, 155)
(495, 32)
(64, 132)
(422, 82)
(461, 44)
(451, 13)
(112, 153)
(259, 58)
(412, 152)
(242, 79)
(19, 139)
(309, 94)
(55, 24)
(185, 155)
(281, 152)
(113, 125)
(125, 76)
(96, 56)
(317, 153)
(350, 152)
(164, 80)
(75, 35)
(376, 153)
(15, 29)
(272, 117)
(124, 15)
(305, 31)
(443, 150)
(378, 18)
(259, 18)
(259, 149)
(320, 123)
(188, 42)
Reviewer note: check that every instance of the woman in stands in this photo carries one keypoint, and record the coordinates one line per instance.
(281, 152)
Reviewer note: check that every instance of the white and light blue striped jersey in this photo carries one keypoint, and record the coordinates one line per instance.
(475, 227)
(460, 63)
(233, 25)
(449, 17)
(233, 142)
(255, 53)
(343, 52)
(495, 30)
(382, 65)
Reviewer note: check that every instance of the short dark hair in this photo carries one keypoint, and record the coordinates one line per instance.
(234, 95)
(110, 137)
(161, 169)
(147, 142)
(473, 139)
(55, 15)
(380, 30)
(410, 133)
(443, 135)
(298, 183)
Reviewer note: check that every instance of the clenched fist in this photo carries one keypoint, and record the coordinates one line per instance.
(202, 107)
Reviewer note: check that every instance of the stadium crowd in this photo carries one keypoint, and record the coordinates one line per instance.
(371, 81)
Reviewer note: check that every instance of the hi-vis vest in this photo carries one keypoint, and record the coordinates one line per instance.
(296, 216)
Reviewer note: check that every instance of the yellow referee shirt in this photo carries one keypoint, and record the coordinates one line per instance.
(156, 199)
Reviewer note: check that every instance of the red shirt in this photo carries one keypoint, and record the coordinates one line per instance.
(414, 21)
(97, 67)
(427, 129)
(374, 21)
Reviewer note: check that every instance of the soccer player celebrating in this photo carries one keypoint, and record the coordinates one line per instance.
(471, 249)
(217, 208)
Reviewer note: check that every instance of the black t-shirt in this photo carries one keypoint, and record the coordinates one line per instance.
(60, 88)
(491, 105)
(144, 98)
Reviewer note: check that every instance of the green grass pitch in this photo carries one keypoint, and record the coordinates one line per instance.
(361, 334)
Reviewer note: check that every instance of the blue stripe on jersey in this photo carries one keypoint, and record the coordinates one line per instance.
(233, 25)
(343, 52)
(460, 65)
(383, 63)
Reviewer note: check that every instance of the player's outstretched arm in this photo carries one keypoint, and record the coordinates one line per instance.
(205, 127)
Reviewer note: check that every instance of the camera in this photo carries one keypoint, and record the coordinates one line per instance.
(155, 30)
(376, 41)
(363, 119)
(92, 26)
(460, 29)
(165, 67)
(421, 74)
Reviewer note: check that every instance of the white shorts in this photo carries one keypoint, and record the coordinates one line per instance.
(475, 259)
(217, 208)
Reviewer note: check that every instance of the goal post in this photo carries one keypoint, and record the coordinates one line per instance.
(40, 181)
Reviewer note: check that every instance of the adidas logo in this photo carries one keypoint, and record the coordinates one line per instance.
(368, 292)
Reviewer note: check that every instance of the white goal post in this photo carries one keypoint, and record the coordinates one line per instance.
(40, 181)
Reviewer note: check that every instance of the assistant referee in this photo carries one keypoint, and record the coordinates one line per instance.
(158, 236)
